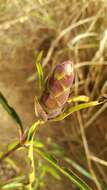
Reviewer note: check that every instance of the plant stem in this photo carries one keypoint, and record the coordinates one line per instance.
(22, 140)
(6, 154)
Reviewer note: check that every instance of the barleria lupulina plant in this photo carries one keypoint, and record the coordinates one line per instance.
(52, 106)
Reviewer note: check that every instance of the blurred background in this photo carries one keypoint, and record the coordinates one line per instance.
(67, 29)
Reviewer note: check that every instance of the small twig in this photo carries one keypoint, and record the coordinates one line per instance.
(62, 34)
(88, 63)
(101, 171)
(95, 116)
(100, 161)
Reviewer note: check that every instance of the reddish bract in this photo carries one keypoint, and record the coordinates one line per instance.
(57, 89)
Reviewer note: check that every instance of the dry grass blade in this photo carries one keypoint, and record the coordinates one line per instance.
(87, 152)
(81, 37)
(98, 160)
(62, 34)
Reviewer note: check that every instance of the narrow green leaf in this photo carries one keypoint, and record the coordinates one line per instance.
(47, 155)
(39, 68)
(11, 111)
(81, 184)
(69, 174)
(57, 150)
(31, 143)
(13, 164)
(12, 185)
(81, 98)
(12, 145)
(33, 128)
(52, 171)
(18, 179)
(74, 109)
(10, 148)
(38, 143)
(78, 168)
(32, 172)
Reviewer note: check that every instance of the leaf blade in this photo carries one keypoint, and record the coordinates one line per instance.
(74, 109)
(12, 185)
(11, 111)
(39, 68)
(81, 98)
(69, 174)
(78, 168)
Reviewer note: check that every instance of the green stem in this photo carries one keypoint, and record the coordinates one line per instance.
(21, 143)
(7, 153)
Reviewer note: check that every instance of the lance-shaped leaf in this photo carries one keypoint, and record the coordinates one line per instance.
(11, 147)
(69, 174)
(33, 128)
(76, 108)
(51, 170)
(78, 168)
(32, 176)
(81, 98)
(11, 111)
(39, 68)
(12, 185)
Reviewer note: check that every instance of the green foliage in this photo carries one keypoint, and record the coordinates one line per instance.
(75, 109)
(42, 169)
(11, 111)
(36, 178)
(69, 174)
(32, 176)
(78, 168)
(32, 129)
(39, 69)
(18, 179)
(49, 169)
(81, 98)
(31, 143)
(12, 145)
(12, 185)
(38, 143)
(57, 150)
